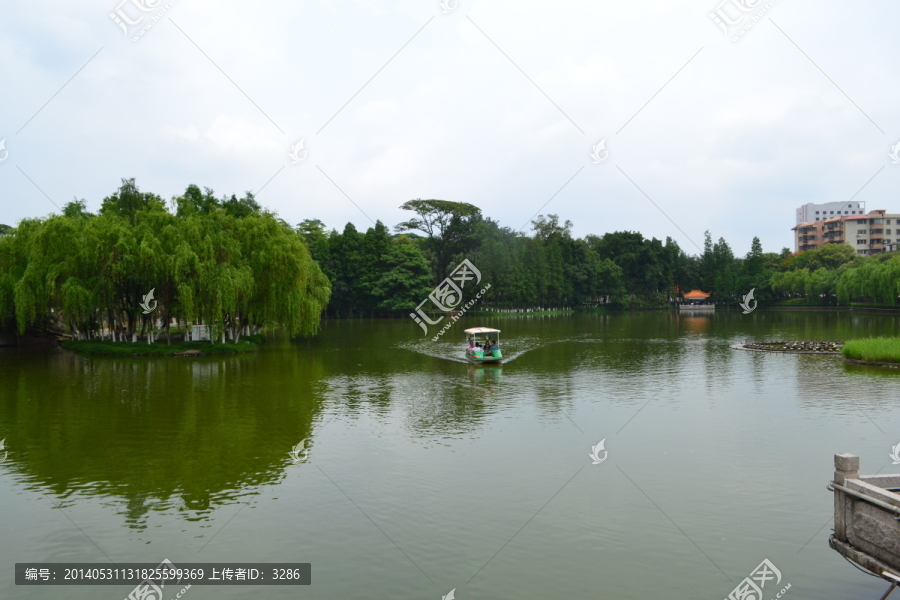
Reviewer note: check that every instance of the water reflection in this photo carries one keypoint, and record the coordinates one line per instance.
(187, 435)
(481, 375)
(696, 322)
(161, 434)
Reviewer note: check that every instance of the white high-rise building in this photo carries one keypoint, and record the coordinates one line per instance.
(810, 213)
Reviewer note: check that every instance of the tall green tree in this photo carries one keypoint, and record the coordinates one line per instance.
(406, 279)
(449, 228)
(128, 200)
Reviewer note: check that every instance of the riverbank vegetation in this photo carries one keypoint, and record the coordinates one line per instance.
(873, 349)
(229, 264)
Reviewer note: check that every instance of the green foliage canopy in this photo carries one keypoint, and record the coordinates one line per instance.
(226, 264)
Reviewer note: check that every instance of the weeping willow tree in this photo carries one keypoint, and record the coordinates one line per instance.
(873, 281)
(791, 282)
(822, 285)
(289, 287)
(13, 263)
(59, 280)
(225, 263)
(887, 280)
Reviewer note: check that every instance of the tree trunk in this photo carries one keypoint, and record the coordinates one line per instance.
(236, 334)
(131, 326)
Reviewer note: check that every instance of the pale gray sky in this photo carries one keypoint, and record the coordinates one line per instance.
(493, 103)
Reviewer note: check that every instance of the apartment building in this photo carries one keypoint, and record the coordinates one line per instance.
(872, 233)
(810, 212)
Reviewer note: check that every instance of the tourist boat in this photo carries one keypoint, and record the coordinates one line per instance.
(475, 351)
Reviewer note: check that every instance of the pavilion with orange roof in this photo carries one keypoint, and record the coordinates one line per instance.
(696, 300)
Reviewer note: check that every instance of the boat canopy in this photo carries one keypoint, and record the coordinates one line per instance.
(476, 330)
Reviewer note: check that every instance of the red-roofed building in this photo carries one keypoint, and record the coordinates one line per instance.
(697, 295)
(873, 233)
(696, 300)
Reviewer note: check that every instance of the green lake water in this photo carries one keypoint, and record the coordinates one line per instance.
(425, 474)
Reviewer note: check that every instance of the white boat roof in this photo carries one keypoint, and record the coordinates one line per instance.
(475, 330)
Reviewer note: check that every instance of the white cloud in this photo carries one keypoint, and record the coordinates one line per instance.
(740, 137)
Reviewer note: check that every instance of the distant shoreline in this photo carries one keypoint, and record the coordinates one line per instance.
(158, 348)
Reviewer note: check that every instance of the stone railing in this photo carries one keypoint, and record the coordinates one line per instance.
(866, 513)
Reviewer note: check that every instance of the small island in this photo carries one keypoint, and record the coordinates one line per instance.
(873, 351)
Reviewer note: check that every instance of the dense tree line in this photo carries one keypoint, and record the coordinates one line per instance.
(374, 272)
(224, 263)
(231, 265)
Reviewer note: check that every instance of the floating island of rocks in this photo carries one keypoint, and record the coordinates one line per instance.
(800, 347)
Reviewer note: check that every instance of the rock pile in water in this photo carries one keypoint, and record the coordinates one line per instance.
(795, 346)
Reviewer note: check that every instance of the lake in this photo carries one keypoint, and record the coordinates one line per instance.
(421, 474)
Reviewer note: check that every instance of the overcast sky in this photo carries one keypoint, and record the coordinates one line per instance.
(494, 103)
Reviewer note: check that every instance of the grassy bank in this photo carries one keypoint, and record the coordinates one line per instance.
(874, 305)
(159, 348)
(873, 349)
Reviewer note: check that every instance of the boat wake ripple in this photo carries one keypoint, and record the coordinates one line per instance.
(453, 351)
